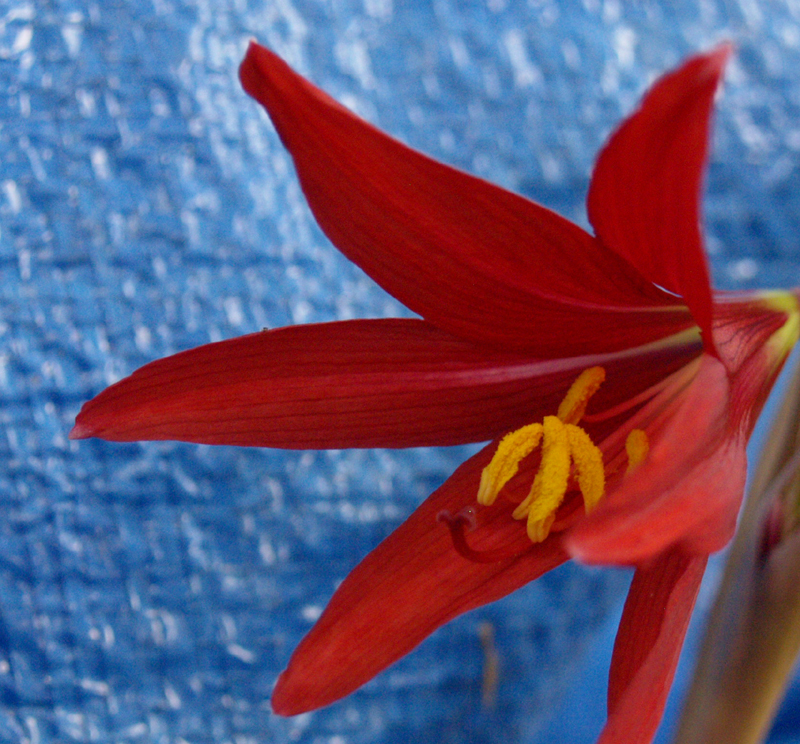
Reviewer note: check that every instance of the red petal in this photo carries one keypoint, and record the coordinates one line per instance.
(644, 200)
(473, 259)
(754, 334)
(363, 383)
(686, 492)
(648, 645)
(411, 584)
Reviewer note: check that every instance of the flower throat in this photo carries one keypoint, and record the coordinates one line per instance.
(569, 457)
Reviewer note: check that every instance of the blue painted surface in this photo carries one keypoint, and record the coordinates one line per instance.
(152, 592)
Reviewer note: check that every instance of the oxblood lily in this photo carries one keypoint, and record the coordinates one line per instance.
(516, 304)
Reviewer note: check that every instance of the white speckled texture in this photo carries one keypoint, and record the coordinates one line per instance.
(152, 593)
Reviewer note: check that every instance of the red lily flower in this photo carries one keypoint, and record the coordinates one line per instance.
(517, 303)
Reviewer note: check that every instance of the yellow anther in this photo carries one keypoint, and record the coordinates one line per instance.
(637, 445)
(574, 404)
(513, 448)
(550, 483)
(589, 468)
(539, 524)
(563, 445)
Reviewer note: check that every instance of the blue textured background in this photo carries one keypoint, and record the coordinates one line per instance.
(152, 593)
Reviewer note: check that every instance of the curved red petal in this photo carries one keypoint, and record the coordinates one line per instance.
(361, 383)
(688, 490)
(644, 199)
(754, 333)
(472, 258)
(648, 645)
(411, 584)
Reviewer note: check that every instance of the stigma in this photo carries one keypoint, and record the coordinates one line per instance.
(569, 458)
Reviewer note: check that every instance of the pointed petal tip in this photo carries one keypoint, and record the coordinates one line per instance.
(245, 68)
(721, 53)
(592, 551)
(255, 66)
(577, 551)
(716, 60)
(645, 194)
(467, 275)
(254, 48)
(297, 692)
(260, 69)
(282, 703)
(81, 431)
